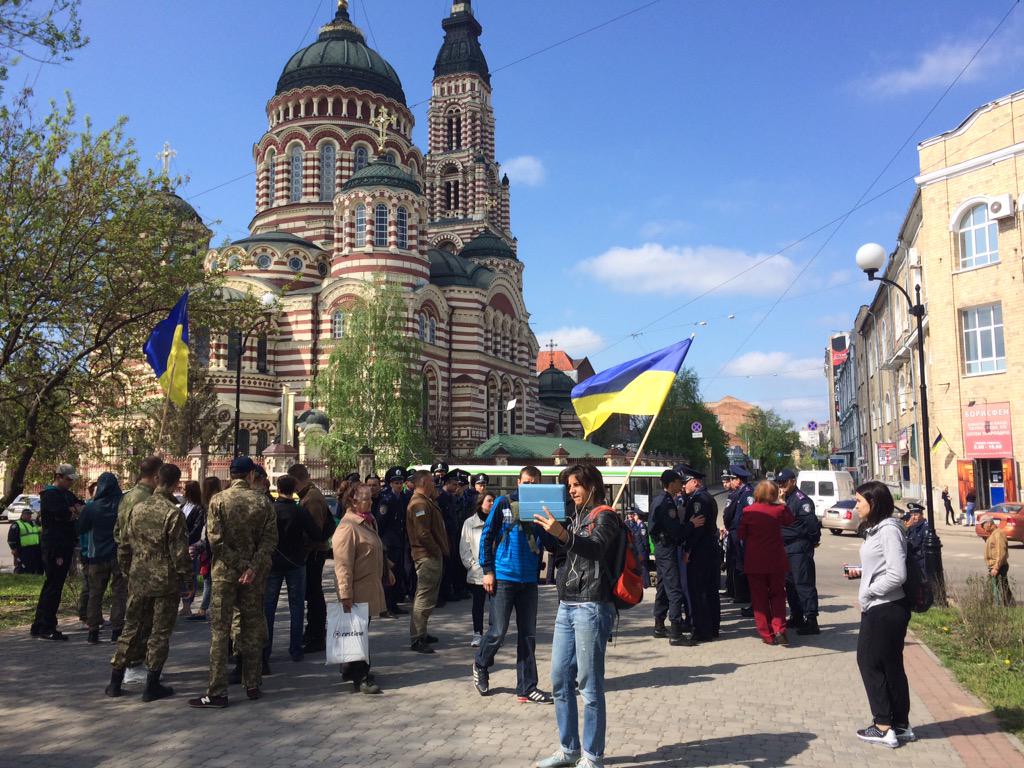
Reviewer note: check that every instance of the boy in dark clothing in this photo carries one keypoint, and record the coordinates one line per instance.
(59, 508)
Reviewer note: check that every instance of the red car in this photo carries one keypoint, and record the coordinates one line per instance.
(1008, 516)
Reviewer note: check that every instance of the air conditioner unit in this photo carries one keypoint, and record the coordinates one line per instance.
(1000, 207)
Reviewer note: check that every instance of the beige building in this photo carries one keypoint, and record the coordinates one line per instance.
(971, 245)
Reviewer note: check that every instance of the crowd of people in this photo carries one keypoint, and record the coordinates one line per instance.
(422, 538)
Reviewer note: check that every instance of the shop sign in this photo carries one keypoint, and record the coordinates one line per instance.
(988, 431)
(887, 454)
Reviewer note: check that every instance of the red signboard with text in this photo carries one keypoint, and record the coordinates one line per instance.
(988, 433)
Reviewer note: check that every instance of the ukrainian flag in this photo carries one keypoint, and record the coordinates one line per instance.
(638, 387)
(167, 352)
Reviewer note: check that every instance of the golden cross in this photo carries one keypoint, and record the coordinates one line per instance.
(342, 5)
(492, 203)
(385, 119)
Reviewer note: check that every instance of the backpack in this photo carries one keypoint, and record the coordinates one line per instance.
(917, 587)
(627, 582)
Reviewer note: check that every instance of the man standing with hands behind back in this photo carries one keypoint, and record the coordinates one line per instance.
(312, 500)
(59, 508)
(429, 544)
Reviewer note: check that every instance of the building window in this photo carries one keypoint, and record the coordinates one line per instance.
(984, 348)
(454, 131)
(337, 325)
(295, 176)
(391, 158)
(451, 195)
(888, 408)
(262, 441)
(295, 264)
(432, 331)
(243, 442)
(201, 342)
(979, 238)
(261, 354)
(263, 261)
(362, 158)
(271, 176)
(402, 220)
(360, 225)
(323, 269)
(234, 349)
(327, 169)
(380, 226)
(421, 327)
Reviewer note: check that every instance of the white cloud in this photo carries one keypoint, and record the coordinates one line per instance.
(763, 364)
(525, 169)
(673, 270)
(574, 340)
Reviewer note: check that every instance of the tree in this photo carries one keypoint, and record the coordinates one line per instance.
(771, 439)
(93, 253)
(672, 433)
(40, 31)
(371, 387)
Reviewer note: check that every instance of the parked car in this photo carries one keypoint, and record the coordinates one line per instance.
(1009, 516)
(825, 487)
(840, 517)
(13, 511)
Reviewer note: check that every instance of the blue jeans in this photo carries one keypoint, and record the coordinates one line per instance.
(969, 513)
(296, 579)
(509, 595)
(582, 631)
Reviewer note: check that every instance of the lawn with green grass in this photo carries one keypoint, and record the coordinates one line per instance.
(20, 592)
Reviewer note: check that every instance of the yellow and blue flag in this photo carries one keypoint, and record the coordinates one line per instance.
(167, 352)
(638, 387)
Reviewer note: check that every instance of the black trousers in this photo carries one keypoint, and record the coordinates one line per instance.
(53, 587)
(397, 592)
(801, 584)
(316, 606)
(883, 629)
(668, 596)
(950, 515)
(479, 597)
(705, 602)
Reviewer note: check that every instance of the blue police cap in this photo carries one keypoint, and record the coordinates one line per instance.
(670, 476)
(784, 475)
(686, 472)
(480, 478)
(439, 466)
(738, 470)
(914, 507)
(242, 465)
(395, 473)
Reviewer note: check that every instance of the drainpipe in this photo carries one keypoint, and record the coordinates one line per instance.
(451, 337)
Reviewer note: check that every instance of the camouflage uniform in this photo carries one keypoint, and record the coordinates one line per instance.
(242, 530)
(136, 495)
(153, 553)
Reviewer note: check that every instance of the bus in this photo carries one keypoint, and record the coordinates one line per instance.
(644, 482)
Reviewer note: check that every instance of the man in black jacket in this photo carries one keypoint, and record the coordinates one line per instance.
(391, 527)
(704, 557)
(800, 539)
(666, 531)
(59, 508)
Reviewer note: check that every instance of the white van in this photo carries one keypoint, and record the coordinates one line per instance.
(825, 487)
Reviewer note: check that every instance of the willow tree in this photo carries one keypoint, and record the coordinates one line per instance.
(371, 386)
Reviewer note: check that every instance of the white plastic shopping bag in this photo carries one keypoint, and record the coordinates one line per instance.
(347, 637)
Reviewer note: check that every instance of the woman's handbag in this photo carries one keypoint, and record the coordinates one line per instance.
(347, 636)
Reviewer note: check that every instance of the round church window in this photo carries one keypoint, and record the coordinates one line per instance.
(214, 265)
(263, 261)
(295, 264)
(322, 268)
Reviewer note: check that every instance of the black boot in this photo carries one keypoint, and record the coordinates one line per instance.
(235, 675)
(113, 689)
(94, 637)
(659, 627)
(114, 634)
(810, 626)
(154, 690)
(675, 631)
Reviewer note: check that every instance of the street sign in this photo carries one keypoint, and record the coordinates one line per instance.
(812, 426)
(698, 435)
(697, 429)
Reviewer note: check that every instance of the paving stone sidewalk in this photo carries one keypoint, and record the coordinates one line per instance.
(735, 702)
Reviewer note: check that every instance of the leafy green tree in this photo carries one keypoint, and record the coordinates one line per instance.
(771, 439)
(371, 387)
(672, 434)
(193, 424)
(38, 30)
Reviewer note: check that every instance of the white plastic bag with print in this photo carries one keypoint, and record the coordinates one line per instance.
(347, 636)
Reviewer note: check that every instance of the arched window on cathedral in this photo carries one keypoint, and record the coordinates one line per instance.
(402, 224)
(360, 225)
(243, 442)
(425, 405)
(432, 330)
(451, 195)
(261, 354)
(362, 158)
(380, 226)
(421, 326)
(454, 131)
(338, 324)
(201, 344)
(271, 175)
(327, 170)
(234, 349)
(262, 441)
(295, 174)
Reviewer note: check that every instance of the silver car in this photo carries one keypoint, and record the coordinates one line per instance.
(840, 517)
(25, 500)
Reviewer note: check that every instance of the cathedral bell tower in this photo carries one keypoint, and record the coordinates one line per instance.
(466, 193)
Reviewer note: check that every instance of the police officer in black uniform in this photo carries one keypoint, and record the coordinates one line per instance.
(451, 502)
(665, 527)
(439, 469)
(741, 496)
(391, 527)
(704, 556)
(479, 487)
(800, 539)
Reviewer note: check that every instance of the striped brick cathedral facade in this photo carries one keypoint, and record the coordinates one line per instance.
(337, 205)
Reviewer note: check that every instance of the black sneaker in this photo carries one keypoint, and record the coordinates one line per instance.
(809, 627)
(209, 702)
(904, 734)
(429, 639)
(482, 680)
(747, 612)
(421, 646)
(659, 629)
(94, 637)
(54, 635)
(874, 734)
(536, 696)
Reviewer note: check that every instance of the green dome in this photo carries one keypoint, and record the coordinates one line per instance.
(382, 173)
(447, 269)
(487, 245)
(340, 56)
(282, 239)
(554, 387)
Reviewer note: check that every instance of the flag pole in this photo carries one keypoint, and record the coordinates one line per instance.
(167, 401)
(636, 458)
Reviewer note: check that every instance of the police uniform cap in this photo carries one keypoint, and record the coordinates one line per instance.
(463, 476)
(439, 466)
(784, 475)
(242, 465)
(669, 476)
(452, 475)
(738, 470)
(479, 478)
(914, 508)
(686, 472)
(395, 473)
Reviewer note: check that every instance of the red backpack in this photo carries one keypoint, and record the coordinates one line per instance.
(627, 582)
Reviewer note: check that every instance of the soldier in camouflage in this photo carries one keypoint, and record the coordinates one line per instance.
(242, 530)
(153, 554)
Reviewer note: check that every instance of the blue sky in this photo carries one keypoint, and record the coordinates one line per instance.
(651, 160)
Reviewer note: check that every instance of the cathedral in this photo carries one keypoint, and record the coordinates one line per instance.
(343, 195)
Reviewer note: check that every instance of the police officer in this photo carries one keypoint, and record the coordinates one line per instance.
(741, 496)
(439, 469)
(153, 554)
(479, 487)
(23, 539)
(453, 580)
(800, 539)
(666, 531)
(391, 527)
(917, 529)
(242, 530)
(704, 556)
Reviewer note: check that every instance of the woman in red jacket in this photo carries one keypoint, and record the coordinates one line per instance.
(765, 562)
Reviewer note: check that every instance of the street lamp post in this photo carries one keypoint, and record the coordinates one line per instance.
(267, 300)
(871, 258)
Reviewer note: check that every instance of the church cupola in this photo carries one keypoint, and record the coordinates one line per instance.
(461, 51)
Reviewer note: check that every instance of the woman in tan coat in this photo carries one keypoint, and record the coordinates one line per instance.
(361, 571)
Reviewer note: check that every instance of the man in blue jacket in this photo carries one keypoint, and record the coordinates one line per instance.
(96, 524)
(510, 554)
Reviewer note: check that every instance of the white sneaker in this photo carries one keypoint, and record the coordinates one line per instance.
(875, 734)
(135, 675)
(477, 639)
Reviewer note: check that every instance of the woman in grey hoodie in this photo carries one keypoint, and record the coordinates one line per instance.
(884, 617)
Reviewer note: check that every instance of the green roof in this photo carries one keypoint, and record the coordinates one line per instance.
(382, 173)
(487, 245)
(538, 447)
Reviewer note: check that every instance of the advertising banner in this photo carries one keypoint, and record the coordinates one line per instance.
(988, 433)
(887, 454)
